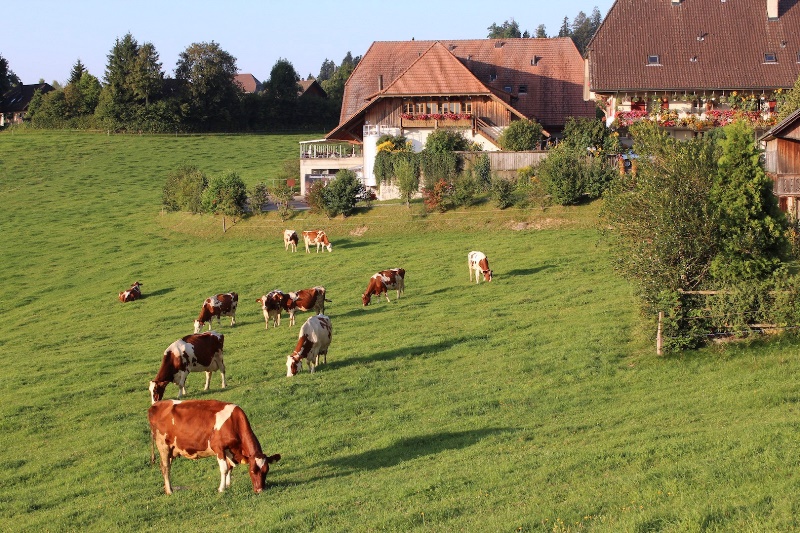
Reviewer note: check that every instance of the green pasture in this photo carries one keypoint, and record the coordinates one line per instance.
(532, 403)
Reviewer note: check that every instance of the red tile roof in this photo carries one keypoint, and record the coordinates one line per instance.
(550, 69)
(700, 44)
(248, 83)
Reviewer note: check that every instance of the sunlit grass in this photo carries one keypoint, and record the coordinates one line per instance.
(533, 403)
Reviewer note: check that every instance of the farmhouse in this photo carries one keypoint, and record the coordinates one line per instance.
(248, 83)
(480, 86)
(692, 65)
(15, 102)
(782, 162)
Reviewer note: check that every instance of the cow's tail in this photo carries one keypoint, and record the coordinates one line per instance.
(327, 300)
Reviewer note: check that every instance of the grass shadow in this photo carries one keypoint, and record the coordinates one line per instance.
(411, 448)
(407, 351)
(528, 271)
(350, 243)
(159, 292)
(372, 308)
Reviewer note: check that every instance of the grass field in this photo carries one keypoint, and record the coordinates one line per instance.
(533, 403)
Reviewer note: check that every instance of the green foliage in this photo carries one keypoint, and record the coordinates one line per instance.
(586, 133)
(315, 197)
(207, 73)
(503, 192)
(342, 194)
(752, 230)
(282, 195)
(225, 195)
(521, 135)
(483, 171)
(438, 166)
(7, 77)
(406, 173)
(438, 196)
(334, 86)
(789, 101)
(465, 190)
(661, 220)
(183, 190)
(445, 140)
(259, 195)
(507, 30)
(564, 174)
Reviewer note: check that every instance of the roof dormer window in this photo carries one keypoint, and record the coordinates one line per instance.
(770, 57)
(653, 60)
(507, 88)
(492, 77)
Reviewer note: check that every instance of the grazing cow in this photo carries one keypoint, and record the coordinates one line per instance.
(383, 281)
(312, 299)
(271, 304)
(134, 293)
(313, 341)
(207, 428)
(480, 265)
(192, 353)
(290, 239)
(318, 238)
(217, 306)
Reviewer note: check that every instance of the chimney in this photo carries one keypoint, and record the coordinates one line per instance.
(380, 82)
(772, 9)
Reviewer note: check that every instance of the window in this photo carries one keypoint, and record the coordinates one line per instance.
(431, 107)
(770, 57)
(419, 108)
(408, 107)
(523, 89)
(653, 60)
(507, 88)
(467, 107)
(535, 61)
(492, 77)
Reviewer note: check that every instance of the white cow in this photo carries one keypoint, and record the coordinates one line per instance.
(290, 238)
(478, 263)
(313, 341)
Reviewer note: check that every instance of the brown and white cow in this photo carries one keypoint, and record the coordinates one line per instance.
(192, 353)
(479, 264)
(217, 306)
(134, 293)
(313, 341)
(317, 238)
(271, 305)
(383, 281)
(290, 239)
(312, 299)
(207, 428)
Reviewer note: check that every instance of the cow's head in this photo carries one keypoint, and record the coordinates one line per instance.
(487, 275)
(259, 466)
(293, 366)
(198, 326)
(365, 298)
(328, 245)
(157, 389)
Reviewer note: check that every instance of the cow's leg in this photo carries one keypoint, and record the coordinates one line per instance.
(469, 267)
(208, 379)
(386, 294)
(180, 381)
(166, 462)
(221, 366)
(233, 318)
(225, 474)
(291, 318)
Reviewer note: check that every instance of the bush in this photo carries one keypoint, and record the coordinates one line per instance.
(183, 190)
(437, 198)
(464, 190)
(483, 172)
(438, 166)
(502, 192)
(562, 175)
(226, 195)
(342, 194)
(521, 135)
(446, 140)
(314, 197)
(282, 196)
(259, 195)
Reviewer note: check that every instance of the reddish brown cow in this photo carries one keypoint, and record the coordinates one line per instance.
(271, 305)
(478, 263)
(134, 293)
(313, 341)
(217, 306)
(192, 353)
(383, 281)
(312, 299)
(207, 428)
(317, 238)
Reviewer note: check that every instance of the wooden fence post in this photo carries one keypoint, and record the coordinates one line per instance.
(659, 339)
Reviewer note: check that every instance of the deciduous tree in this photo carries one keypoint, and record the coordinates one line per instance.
(211, 94)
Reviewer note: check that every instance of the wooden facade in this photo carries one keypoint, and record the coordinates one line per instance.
(782, 162)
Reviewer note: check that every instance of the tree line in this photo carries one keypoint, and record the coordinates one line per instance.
(580, 30)
(137, 95)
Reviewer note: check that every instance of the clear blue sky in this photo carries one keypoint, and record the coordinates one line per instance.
(42, 39)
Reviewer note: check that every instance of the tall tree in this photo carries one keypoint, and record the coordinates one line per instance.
(7, 77)
(326, 70)
(334, 86)
(120, 69)
(507, 30)
(541, 32)
(77, 71)
(147, 78)
(212, 96)
(581, 31)
(282, 82)
(789, 102)
(564, 31)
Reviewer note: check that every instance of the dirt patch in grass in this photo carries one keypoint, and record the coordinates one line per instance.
(545, 223)
(358, 231)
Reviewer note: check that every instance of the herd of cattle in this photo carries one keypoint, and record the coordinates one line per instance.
(206, 428)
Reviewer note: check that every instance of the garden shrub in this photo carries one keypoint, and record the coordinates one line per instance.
(342, 194)
(225, 195)
(183, 190)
